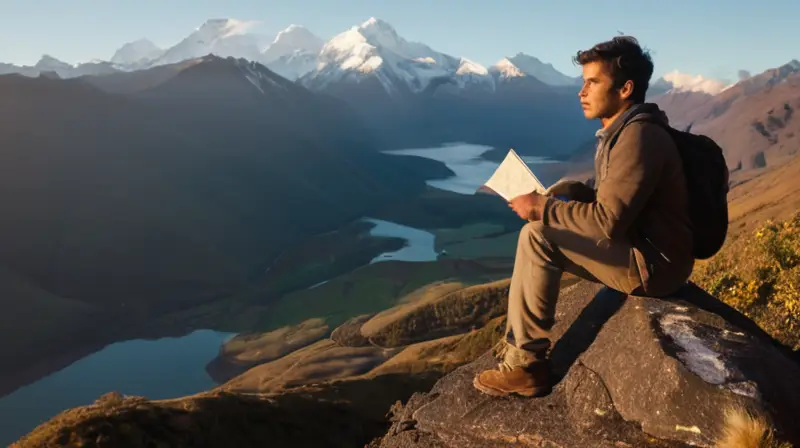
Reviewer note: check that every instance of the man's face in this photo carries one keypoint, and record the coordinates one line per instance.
(599, 98)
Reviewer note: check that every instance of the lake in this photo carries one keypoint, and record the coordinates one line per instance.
(157, 369)
(471, 170)
(419, 243)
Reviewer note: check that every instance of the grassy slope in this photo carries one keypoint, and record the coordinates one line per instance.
(451, 236)
(759, 273)
(444, 354)
(756, 271)
(450, 312)
(772, 193)
(375, 288)
(503, 245)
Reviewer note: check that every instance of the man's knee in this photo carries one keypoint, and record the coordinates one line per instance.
(532, 236)
(533, 230)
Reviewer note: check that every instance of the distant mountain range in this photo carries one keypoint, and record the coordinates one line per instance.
(410, 94)
(371, 47)
(754, 120)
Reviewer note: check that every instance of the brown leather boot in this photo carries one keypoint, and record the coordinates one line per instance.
(521, 373)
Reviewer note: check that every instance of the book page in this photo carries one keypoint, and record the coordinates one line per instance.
(512, 178)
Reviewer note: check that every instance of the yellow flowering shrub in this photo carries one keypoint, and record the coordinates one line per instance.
(759, 274)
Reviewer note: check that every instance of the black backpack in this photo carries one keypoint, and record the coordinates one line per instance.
(707, 184)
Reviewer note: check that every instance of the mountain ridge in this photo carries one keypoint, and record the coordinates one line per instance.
(294, 52)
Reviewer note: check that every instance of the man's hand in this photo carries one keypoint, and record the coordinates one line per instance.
(572, 191)
(529, 207)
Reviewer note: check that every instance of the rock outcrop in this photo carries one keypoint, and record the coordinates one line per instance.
(631, 372)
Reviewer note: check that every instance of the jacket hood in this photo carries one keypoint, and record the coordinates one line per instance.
(649, 110)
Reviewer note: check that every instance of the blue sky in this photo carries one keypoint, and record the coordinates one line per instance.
(714, 38)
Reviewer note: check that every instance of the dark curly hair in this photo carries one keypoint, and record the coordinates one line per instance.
(627, 61)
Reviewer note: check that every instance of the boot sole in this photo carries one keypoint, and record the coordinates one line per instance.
(527, 393)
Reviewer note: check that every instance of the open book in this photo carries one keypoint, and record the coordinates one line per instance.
(512, 178)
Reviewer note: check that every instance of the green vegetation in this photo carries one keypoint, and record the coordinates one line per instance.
(448, 237)
(478, 240)
(759, 274)
(501, 246)
(319, 258)
(444, 355)
(471, 346)
(374, 288)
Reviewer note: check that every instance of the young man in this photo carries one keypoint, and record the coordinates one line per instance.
(633, 235)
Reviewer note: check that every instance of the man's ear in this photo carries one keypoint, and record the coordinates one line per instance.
(627, 90)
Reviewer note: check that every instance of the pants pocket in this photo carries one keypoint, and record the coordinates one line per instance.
(638, 275)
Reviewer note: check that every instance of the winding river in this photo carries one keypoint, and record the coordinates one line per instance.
(174, 367)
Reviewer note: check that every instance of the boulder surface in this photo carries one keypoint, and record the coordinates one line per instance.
(630, 371)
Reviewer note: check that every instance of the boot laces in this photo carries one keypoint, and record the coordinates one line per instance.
(514, 357)
(500, 349)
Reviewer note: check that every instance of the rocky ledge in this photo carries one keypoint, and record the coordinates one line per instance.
(631, 372)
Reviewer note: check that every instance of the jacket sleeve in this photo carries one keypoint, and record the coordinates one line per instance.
(635, 165)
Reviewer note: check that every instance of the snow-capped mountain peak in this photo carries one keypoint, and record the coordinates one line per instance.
(470, 72)
(683, 82)
(374, 47)
(291, 40)
(377, 25)
(136, 52)
(381, 34)
(506, 69)
(222, 37)
(222, 28)
(299, 36)
(523, 64)
(468, 66)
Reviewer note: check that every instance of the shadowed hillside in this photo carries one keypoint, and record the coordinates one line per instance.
(187, 195)
(133, 206)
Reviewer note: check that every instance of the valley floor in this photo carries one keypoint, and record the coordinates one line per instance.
(333, 276)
